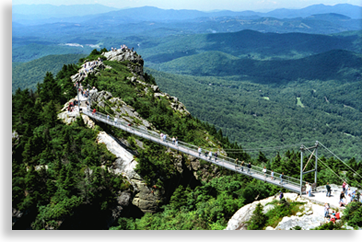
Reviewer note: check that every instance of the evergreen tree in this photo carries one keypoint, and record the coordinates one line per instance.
(258, 219)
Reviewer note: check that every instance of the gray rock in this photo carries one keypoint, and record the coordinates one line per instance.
(155, 88)
(124, 199)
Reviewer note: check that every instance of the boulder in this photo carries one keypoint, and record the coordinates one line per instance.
(147, 199)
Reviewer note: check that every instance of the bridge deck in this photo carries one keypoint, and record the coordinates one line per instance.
(289, 183)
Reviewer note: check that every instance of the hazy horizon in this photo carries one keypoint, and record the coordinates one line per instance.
(202, 5)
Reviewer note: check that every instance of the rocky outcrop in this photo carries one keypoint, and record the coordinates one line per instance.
(126, 55)
(311, 216)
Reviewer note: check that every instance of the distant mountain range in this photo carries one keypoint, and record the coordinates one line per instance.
(45, 13)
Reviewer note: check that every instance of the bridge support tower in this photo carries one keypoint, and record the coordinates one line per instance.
(315, 170)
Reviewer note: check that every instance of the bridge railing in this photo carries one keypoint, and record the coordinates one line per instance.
(155, 137)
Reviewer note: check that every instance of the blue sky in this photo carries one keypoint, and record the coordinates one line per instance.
(204, 5)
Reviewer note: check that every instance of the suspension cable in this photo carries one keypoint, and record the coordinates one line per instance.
(340, 160)
(326, 165)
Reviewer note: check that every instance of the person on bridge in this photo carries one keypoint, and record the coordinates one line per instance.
(236, 163)
(165, 137)
(176, 141)
(94, 111)
(199, 150)
(242, 166)
(210, 155)
(161, 136)
(206, 152)
(272, 175)
(264, 170)
(173, 140)
(281, 178)
(328, 187)
(115, 120)
(249, 166)
(108, 117)
(215, 156)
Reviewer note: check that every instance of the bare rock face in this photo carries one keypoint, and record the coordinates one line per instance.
(147, 199)
(126, 55)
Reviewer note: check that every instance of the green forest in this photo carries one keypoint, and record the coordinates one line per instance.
(29, 74)
(60, 175)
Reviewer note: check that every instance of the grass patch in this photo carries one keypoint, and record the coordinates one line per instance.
(299, 102)
(282, 209)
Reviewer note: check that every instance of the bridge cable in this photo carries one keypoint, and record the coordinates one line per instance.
(327, 166)
(340, 160)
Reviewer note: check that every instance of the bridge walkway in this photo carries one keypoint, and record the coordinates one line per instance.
(289, 183)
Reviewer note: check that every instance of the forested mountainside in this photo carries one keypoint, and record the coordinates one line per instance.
(63, 177)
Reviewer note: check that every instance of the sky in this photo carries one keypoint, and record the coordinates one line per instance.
(203, 5)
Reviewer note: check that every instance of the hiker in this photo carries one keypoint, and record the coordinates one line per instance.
(308, 189)
(206, 152)
(173, 140)
(326, 210)
(281, 178)
(94, 111)
(115, 120)
(341, 201)
(344, 186)
(176, 141)
(236, 163)
(199, 150)
(281, 195)
(165, 138)
(328, 190)
(215, 156)
(249, 166)
(161, 136)
(272, 175)
(264, 170)
(242, 166)
(210, 155)
(349, 199)
(349, 191)
(108, 117)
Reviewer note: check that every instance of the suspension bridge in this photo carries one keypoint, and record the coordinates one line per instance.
(290, 183)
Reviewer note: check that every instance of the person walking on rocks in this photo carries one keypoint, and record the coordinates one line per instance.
(341, 199)
(328, 187)
(281, 195)
(344, 186)
(307, 189)
(326, 210)
(199, 150)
